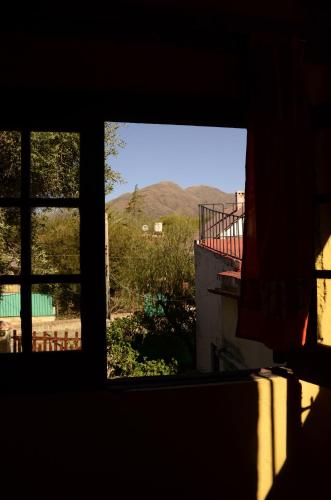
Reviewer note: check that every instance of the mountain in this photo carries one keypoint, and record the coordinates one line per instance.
(166, 198)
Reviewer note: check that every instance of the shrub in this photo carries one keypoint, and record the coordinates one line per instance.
(124, 360)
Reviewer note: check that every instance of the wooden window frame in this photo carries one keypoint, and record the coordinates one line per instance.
(312, 362)
(64, 369)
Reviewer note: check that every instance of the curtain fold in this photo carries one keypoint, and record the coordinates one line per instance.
(278, 256)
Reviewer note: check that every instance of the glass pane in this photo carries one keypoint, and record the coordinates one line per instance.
(10, 163)
(323, 237)
(55, 241)
(55, 158)
(10, 320)
(10, 245)
(324, 311)
(56, 324)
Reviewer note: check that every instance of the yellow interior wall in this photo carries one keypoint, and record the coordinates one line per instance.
(227, 440)
(322, 156)
(309, 395)
(323, 262)
(324, 311)
(277, 462)
(271, 432)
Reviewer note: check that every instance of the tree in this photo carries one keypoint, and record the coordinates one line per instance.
(56, 247)
(113, 142)
(143, 263)
(55, 162)
(135, 204)
(126, 249)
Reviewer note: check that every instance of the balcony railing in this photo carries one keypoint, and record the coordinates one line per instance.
(221, 228)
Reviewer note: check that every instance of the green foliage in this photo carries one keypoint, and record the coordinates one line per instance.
(146, 263)
(10, 163)
(124, 360)
(113, 142)
(135, 205)
(9, 241)
(153, 275)
(56, 240)
(55, 161)
(171, 335)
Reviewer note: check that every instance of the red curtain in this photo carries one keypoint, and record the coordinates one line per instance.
(278, 252)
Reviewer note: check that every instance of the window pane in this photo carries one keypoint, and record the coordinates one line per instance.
(10, 320)
(55, 241)
(324, 311)
(56, 324)
(10, 163)
(323, 236)
(55, 160)
(10, 245)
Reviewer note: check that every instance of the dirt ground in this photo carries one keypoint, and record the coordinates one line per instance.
(59, 325)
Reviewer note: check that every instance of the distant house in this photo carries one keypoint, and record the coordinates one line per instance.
(218, 258)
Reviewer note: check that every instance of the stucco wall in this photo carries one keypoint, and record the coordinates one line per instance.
(217, 320)
(240, 440)
(247, 353)
(209, 306)
(323, 234)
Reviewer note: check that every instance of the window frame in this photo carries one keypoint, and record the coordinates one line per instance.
(312, 362)
(63, 369)
(71, 370)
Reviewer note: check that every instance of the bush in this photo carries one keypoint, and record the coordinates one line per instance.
(124, 360)
(144, 345)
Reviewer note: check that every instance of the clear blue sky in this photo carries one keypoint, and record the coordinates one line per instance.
(186, 155)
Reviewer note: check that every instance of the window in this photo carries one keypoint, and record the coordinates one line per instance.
(312, 363)
(174, 285)
(47, 173)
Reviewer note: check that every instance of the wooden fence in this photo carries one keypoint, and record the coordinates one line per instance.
(48, 341)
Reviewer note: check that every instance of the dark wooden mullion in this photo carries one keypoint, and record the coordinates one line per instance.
(41, 202)
(10, 202)
(323, 274)
(322, 198)
(54, 278)
(26, 303)
(55, 202)
(92, 245)
(10, 280)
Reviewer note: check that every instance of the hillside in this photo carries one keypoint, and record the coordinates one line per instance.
(166, 197)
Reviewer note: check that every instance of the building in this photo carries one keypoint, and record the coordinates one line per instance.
(218, 258)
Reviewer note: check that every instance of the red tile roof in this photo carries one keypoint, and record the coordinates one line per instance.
(229, 245)
(231, 274)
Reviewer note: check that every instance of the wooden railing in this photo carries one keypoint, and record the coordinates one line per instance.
(48, 341)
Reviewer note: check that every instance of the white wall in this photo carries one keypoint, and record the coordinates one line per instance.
(217, 319)
(236, 229)
(207, 265)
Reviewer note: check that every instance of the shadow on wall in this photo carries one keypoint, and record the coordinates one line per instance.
(178, 443)
(234, 440)
(306, 472)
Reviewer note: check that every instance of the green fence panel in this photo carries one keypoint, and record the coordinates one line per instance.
(10, 305)
(42, 305)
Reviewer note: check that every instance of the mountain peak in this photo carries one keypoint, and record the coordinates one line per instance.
(167, 197)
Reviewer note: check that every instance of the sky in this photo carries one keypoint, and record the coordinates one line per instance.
(186, 155)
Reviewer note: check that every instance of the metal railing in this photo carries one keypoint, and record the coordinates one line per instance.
(221, 227)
